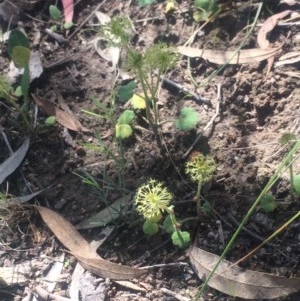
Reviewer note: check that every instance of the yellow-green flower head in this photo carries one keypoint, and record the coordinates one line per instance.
(152, 199)
(200, 168)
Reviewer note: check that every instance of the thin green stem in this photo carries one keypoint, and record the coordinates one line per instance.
(175, 225)
(144, 87)
(292, 190)
(154, 97)
(198, 195)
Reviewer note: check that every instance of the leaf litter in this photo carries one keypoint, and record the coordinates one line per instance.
(244, 56)
(267, 27)
(237, 282)
(14, 161)
(64, 118)
(67, 234)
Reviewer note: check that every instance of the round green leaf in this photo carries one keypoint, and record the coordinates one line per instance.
(209, 6)
(286, 138)
(187, 120)
(268, 203)
(126, 117)
(18, 91)
(138, 102)
(54, 12)
(200, 16)
(68, 25)
(53, 28)
(16, 38)
(50, 120)
(21, 56)
(168, 225)
(296, 184)
(123, 131)
(181, 238)
(126, 92)
(150, 227)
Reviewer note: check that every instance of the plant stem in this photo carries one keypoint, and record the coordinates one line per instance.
(292, 190)
(150, 101)
(175, 225)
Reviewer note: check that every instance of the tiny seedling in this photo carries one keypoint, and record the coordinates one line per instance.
(56, 15)
(268, 203)
(153, 203)
(51, 120)
(289, 140)
(18, 49)
(205, 9)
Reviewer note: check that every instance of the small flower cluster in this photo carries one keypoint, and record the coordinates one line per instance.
(200, 168)
(152, 200)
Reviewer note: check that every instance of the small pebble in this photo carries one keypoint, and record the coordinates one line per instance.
(283, 271)
(288, 249)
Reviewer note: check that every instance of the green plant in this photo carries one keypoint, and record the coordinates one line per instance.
(112, 153)
(268, 203)
(205, 9)
(18, 49)
(6, 90)
(200, 169)
(153, 202)
(56, 15)
(289, 140)
(149, 68)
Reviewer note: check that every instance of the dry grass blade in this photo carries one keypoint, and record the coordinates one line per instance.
(288, 58)
(237, 282)
(81, 249)
(268, 26)
(246, 56)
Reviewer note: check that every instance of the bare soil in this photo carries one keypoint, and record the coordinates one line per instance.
(255, 110)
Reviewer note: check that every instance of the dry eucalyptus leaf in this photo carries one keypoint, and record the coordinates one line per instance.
(66, 232)
(244, 56)
(268, 26)
(62, 117)
(107, 269)
(14, 161)
(24, 198)
(82, 250)
(237, 282)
